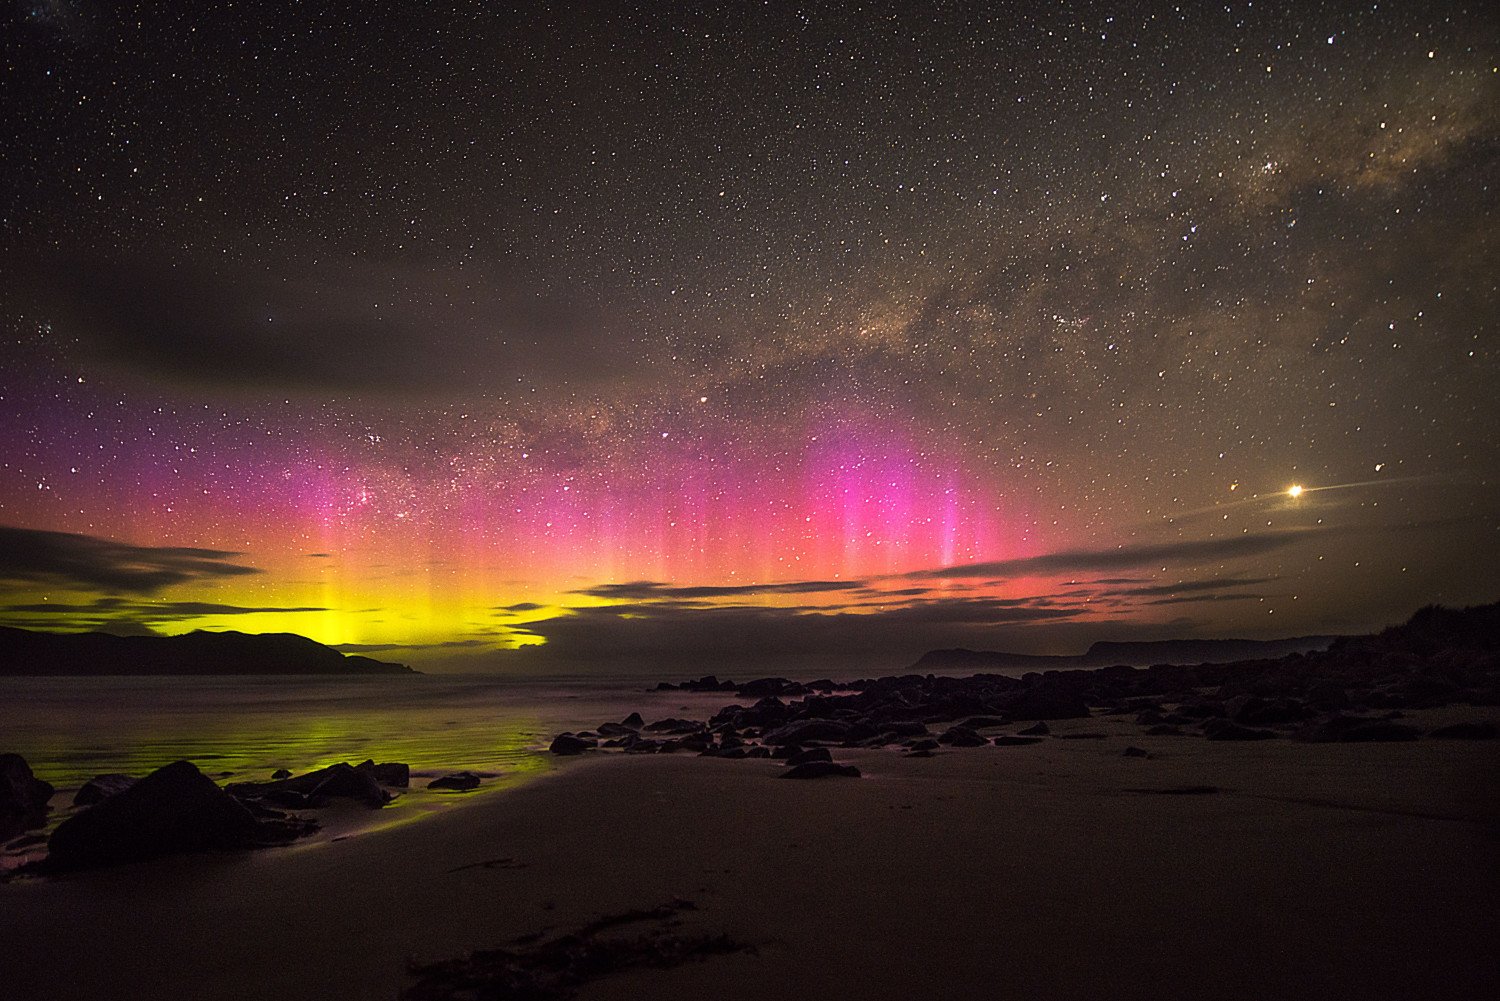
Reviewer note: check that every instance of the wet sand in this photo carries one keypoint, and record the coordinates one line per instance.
(1049, 871)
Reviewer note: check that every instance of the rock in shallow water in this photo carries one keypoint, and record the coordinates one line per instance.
(566, 743)
(457, 782)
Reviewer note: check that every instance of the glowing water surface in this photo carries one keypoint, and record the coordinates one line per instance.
(244, 728)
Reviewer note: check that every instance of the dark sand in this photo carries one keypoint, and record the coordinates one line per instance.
(1320, 871)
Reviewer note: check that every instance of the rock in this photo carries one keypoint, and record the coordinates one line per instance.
(820, 770)
(357, 784)
(313, 790)
(102, 787)
(23, 797)
(1137, 752)
(566, 743)
(961, 736)
(1006, 740)
(671, 725)
(927, 744)
(457, 782)
(984, 722)
(1223, 729)
(758, 752)
(807, 729)
(1382, 730)
(1483, 730)
(175, 809)
(811, 754)
(707, 683)
(633, 721)
(762, 687)
(281, 773)
(1037, 729)
(1164, 730)
(616, 730)
(904, 728)
(392, 773)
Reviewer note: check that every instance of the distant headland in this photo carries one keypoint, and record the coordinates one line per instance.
(1134, 654)
(26, 652)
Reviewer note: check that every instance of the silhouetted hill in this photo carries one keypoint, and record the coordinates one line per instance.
(1135, 654)
(24, 652)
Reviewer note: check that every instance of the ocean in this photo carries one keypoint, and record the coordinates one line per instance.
(244, 728)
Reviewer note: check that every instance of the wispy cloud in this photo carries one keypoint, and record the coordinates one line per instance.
(89, 563)
(647, 590)
(1124, 557)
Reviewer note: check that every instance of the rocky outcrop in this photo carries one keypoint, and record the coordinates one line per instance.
(173, 810)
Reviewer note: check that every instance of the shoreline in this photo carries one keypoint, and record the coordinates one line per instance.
(1350, 870)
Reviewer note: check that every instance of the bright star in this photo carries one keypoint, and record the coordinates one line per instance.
(1294, 491)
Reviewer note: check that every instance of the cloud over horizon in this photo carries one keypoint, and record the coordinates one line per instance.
(87, 562)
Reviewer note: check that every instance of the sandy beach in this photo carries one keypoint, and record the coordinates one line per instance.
(1060, 870)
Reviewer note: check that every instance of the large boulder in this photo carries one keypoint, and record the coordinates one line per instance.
(102, 787)
(175, 809)
(23, 797)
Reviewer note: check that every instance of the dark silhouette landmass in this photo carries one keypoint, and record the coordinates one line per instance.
(27, 652)
(1134, 654)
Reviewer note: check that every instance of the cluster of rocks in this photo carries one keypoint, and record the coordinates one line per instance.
(1358, 690)
(176, 809)
(760, 688)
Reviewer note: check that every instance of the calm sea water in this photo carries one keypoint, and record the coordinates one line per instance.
(70, 729)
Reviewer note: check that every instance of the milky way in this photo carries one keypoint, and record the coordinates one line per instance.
(801, 331)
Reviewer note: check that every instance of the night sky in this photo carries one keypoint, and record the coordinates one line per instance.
(792, 332)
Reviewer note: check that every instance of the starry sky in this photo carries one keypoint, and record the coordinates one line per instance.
(794, 334)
